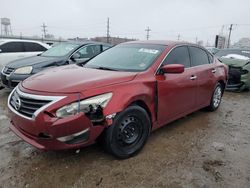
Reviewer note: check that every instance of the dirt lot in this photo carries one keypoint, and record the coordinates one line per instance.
(202, 150)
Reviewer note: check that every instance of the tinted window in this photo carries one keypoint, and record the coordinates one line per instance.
(104, 47)
(12, 47)
(33, 47)
(89, 51)
(199, 56)
(178, 55)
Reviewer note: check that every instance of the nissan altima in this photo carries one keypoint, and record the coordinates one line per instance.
(118, 97)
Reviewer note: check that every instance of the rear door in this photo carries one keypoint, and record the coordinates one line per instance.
(32, 48)
(205, 71)
(176, 92)
(10, 51)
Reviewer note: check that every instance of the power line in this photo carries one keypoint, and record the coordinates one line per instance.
(44, 30)
(147, 30)
(229, 35)
(108, 30)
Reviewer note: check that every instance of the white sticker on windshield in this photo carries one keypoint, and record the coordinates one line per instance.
(151, 51)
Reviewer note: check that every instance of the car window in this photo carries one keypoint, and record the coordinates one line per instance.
(198, 56)
(211, 58)
(89, 51)
(12, 47)
(104, 47)
(178, 55)
(33, 47)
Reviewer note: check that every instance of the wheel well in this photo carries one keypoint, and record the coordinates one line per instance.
(222, 84)
(144, 106)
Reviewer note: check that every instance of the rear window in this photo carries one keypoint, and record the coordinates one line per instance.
(33, 47)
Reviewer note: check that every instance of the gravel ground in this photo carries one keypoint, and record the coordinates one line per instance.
(203, 149)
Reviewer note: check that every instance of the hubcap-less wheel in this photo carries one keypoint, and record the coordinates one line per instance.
(217, 97)
(128, 133)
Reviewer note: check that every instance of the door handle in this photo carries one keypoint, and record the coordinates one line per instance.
(213, 71)
(193, 77)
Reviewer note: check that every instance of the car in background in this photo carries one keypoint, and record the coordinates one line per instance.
(238, 61)
(212, 50)
(12, 49)
(61, 54)
(118, 97)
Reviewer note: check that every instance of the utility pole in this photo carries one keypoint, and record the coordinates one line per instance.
(44, 30)
(147, 30)
(179, 36)
(196, 40)
(229, 36)
(108, 35)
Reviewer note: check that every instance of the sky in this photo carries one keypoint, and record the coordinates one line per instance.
(190, 19)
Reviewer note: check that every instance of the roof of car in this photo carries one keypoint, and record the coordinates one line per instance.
(81, 42)
(159, 42)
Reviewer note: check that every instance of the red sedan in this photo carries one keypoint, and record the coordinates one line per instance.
(119, 96)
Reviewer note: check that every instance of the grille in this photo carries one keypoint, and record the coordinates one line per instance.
(234, 75)
(26, 106)
(8, 70)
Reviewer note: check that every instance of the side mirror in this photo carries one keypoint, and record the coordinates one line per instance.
(173, 68)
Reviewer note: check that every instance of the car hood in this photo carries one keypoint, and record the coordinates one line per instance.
(37, 61)
(234, 62)
(73, 78)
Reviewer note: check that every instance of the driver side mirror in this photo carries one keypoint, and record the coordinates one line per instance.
(173, 68)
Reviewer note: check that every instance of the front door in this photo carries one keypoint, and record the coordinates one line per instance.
(176, 92)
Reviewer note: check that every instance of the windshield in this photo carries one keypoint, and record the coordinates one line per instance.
(60, 50)
(234, 54)
(127, 57)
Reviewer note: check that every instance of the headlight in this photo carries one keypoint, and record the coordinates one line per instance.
(24, 70)
(89, 106)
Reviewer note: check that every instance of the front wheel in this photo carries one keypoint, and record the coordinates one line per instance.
(216, 98)
(129, 132)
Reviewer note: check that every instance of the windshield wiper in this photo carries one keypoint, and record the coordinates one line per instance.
(103, 68)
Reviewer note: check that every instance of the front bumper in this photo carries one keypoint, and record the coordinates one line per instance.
(30, 132)
(12, 80)
(237, 81)
(45, 131)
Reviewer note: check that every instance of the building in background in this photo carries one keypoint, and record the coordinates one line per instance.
(243, 42)
(112, 40)
(220, 42)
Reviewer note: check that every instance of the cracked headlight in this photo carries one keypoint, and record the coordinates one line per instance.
(24, 70)
(91, 107)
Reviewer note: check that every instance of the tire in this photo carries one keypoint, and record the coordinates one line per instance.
(129, 132)
(216, 98)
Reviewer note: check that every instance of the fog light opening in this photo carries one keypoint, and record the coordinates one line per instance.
(75, 138)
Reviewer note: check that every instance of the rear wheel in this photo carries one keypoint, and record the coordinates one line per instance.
(216, 98)
(129, 132)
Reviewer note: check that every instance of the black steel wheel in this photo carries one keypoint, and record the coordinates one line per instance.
(129, 132)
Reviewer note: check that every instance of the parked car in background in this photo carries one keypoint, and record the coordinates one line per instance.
(238, 61)
(119, 96)
(12, 49)
(58, 55)
(212, 50)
